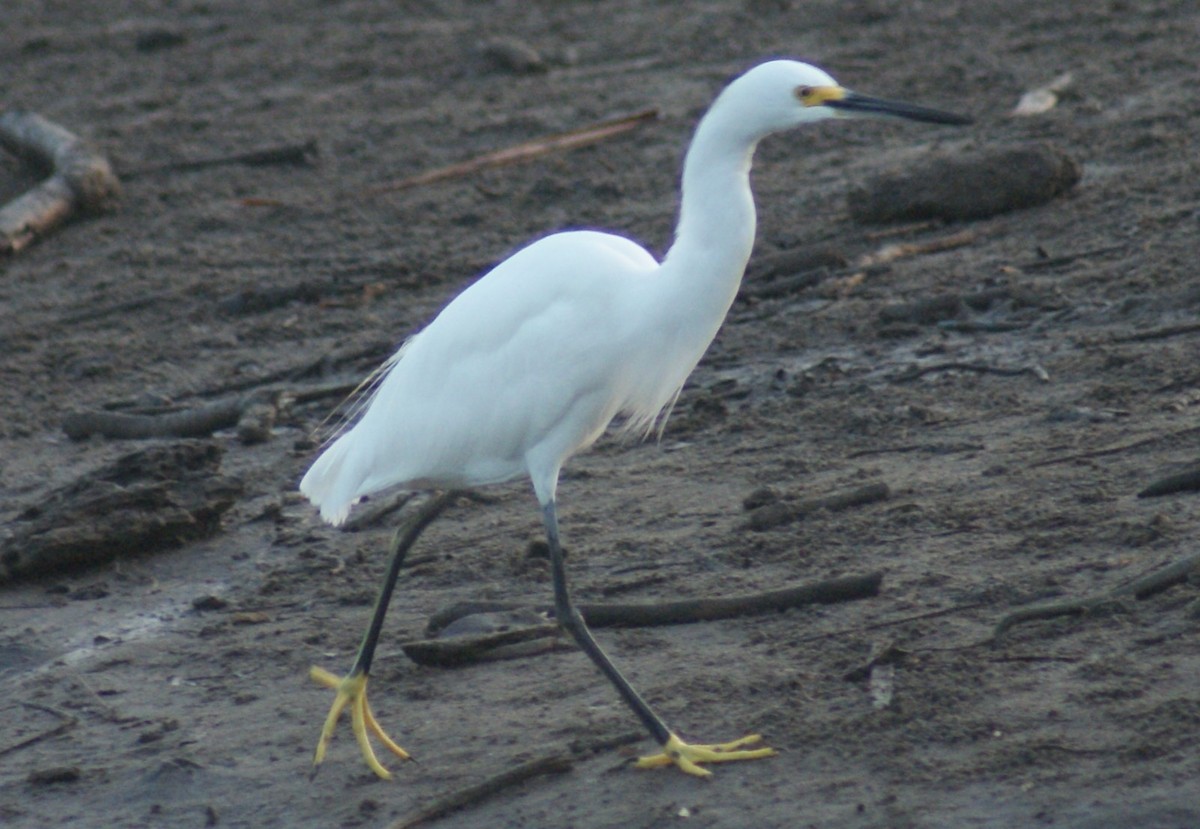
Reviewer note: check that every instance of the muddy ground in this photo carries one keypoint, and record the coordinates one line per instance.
(1006, 488)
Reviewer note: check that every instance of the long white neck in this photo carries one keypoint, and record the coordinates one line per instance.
(703, 269)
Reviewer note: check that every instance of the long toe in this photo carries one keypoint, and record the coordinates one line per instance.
(351, 692)
(690, 758)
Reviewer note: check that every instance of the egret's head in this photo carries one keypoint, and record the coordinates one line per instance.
(785, 93)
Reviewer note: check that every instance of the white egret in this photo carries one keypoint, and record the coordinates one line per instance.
(531, 363)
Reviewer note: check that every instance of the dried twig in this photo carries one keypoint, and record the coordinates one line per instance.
(1141, 588)
(80, 179)
(455, 651)
(66, 723)
(526, 150)
(903, 250)
(977, 368)
(1113, 450)
(1159, 333)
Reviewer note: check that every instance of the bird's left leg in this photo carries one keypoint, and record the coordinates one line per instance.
(352, 688)
(674, 750)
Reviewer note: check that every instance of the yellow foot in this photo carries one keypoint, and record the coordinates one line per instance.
(352, 691)
(688, 757)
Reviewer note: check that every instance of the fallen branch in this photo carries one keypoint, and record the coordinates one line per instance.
(81, 180)
(525, 151)
(687, 611)
(1141, 588)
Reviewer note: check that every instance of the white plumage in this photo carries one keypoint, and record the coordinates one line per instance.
(530, 364)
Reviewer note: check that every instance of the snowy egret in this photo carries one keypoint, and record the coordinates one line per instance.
(531, 363)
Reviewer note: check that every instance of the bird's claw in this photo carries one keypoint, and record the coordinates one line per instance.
(352, 692)
(689, 757)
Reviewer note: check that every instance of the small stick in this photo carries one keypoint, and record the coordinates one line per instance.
(978, 368)
(456, 651)
(550, 764)
(890, 253)
(525, 151)
(1141, 588)
(1113, 450)
(67, 723)
(80, 179)
(1066, 259)
(1160, 579)
(1159, 333)
(778, 513)
(293, 154)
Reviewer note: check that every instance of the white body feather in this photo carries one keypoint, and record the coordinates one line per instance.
(529, 364)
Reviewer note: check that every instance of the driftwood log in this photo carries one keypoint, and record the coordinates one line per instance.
(153, 499)
(80, 179)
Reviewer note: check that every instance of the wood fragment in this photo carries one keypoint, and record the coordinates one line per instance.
(525, 151)
(152, 499)
(1113, 450)
(1159, 333)
(1175, 573)
(915, 372)
(686, 611)
(66, 723)
(471, 795)
(783, 512)
(1046, 262)
(1188, 481)
(298, 154)
(201, 421)
(456, 651)
(81, 179)
(903, 250)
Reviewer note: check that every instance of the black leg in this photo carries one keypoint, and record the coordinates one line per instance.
(402, 542)
(570, 619)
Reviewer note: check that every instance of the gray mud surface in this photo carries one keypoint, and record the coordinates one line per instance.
(1044, 373)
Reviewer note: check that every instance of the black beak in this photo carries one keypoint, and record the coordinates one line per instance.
(854, 104)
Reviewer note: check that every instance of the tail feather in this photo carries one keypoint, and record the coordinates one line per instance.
(327, 485)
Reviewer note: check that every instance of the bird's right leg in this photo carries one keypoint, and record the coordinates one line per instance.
(675, 751)
(352, 688)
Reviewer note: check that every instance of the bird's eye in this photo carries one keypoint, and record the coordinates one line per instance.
(804, 93)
